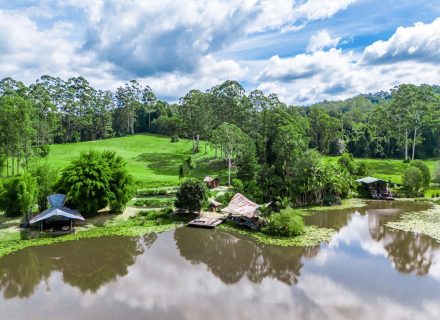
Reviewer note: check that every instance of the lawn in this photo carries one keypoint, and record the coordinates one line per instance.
(388, 168)
(152, 159)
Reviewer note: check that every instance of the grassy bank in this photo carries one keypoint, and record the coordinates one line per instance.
(153, 160)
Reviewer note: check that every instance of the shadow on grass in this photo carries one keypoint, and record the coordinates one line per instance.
(162, 163)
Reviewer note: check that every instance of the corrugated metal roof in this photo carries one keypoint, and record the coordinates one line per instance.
(57, 209)
(57, 212)
(208, 179)
(368, 180)
(240, 205)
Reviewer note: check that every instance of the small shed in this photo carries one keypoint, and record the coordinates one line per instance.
(214, 206)
(211, 182)
(58, 218)
(375, 188)
(244, 212)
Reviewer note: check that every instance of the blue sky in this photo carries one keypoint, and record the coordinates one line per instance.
(304, 51)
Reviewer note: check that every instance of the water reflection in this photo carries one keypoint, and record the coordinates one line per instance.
(85, 264)
(231, 257)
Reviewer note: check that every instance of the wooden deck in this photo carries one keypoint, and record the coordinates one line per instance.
(205, 223)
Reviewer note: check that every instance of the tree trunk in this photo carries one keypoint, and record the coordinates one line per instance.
(149, 119)
(198, 142)
(215, 156)
(13, 165)
(229, 170)
(406, 144)
(414, 143)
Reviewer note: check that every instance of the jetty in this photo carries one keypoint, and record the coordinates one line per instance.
(207, 223)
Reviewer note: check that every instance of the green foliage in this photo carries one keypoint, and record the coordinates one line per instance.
(46, 178)
(413, 180)
(425, 172)
(191, 196)
(154, 203)
(238, 185)
(95, 181)
(437, 173)
(286, 223)
(18, 195)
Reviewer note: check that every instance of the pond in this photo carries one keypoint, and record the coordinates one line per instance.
(367, 271)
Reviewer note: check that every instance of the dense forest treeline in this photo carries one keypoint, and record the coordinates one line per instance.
(275, 147)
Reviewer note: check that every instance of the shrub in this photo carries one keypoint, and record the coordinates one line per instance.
(96, 180)
(46, 176)
(425, 172)
(175, 138)
(413, 180)
(18, 195)
(42, 151)
(238, 185)
(154, 203)
(347, 161)
(287, 223)
(191, 196)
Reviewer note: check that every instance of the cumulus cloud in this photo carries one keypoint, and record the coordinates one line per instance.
(419, 42)
(321, 40)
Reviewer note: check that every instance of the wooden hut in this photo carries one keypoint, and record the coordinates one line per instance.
(58, 219)
(375, 188)
(211, 183)
(214, 206)
(244, 212)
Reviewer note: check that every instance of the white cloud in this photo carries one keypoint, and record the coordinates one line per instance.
(419, 42)
(321, 9)
(321, 40)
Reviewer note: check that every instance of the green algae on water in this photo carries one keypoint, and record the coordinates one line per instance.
(312, 236)
(346, 204)
(424, 222)
(128, 229)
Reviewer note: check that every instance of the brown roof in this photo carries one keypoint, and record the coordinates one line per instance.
(240, 205)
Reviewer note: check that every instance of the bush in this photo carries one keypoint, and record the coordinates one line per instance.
(97, 180)
(154, 203)
(413, 180)
(18, 195)
(425, 172)
(152, 192)
(238, 185)
(287, 223)
(175, 138)
(46, 177)
(42, 151)
(191, 196)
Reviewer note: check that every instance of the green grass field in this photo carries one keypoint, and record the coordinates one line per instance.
(153, 160)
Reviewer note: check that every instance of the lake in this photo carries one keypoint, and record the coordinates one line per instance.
(367, 271)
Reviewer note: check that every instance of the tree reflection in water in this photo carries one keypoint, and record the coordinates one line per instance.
(85, 264)
(408, 251)
(231, 257)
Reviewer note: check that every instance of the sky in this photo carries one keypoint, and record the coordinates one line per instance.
(304, 51)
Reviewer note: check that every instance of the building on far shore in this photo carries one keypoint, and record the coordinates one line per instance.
(211, 183)
(375, 188)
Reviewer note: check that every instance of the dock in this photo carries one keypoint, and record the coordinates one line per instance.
(205, 223)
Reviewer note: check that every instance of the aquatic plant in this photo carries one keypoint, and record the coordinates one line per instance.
(424, 222)
(346, 204)
(312, 236)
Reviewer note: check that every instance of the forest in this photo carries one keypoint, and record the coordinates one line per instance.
(276, 148)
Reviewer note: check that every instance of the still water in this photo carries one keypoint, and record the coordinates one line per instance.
(367, 271)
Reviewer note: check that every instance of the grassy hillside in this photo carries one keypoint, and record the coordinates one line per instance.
(151, 159)
(388, 168)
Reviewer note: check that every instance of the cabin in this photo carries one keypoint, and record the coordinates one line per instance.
(58, 219)
(214, 206)
(211, 183)
(244, 212)
(375, 188)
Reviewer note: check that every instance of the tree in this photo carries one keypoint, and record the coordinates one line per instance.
(437, 173)
(191, 196)
(232, 141)
(413, 180)
(18, 195)
(425, 172)
(46, 177)
(95, 181)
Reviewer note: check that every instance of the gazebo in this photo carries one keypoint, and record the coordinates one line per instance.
(244, 212)
(58, 218)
